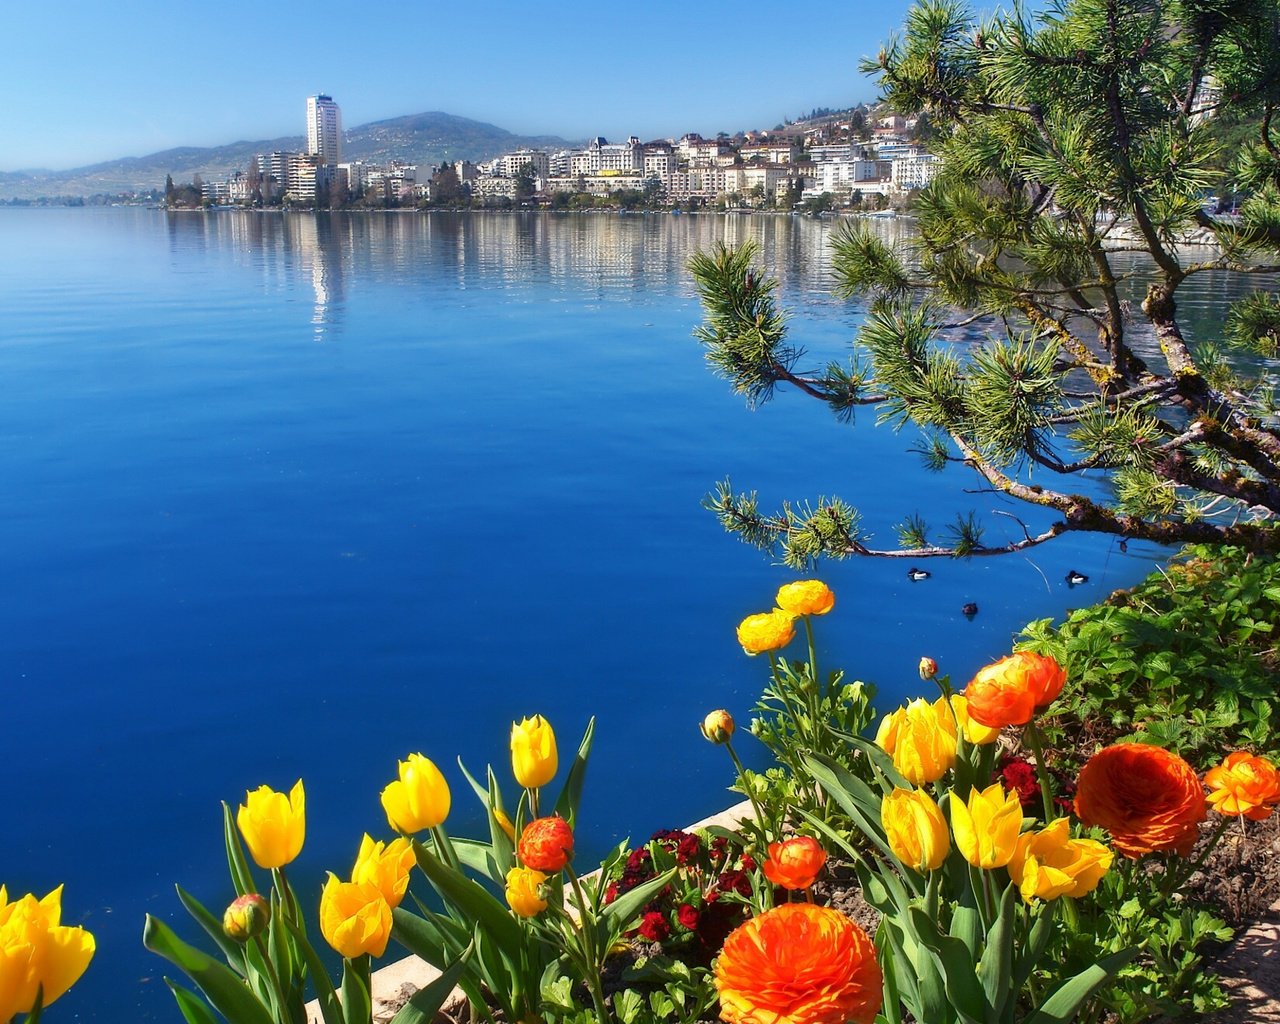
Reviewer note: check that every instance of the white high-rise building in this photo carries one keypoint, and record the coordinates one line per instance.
(324, 129)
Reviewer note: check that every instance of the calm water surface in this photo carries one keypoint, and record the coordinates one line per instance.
(295, 496)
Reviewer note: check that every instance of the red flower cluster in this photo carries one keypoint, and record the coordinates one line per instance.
(1019, 776)
(689, 916)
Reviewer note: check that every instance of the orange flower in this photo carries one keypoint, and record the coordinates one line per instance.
(767, 631)
(546, 844)
(798, 964)
(795, 863)
(1148, 799)
(805, 597)
(1009, 691)
(1244, 785)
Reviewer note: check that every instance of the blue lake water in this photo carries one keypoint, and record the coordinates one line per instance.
(294, 496)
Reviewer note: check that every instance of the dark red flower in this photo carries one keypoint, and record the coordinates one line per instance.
(611, 893)
(687, 916)
(689, 849)
(1019, 776)
(654, 926)
(748, 862)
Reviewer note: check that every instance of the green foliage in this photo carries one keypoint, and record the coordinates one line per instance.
(1150, 664)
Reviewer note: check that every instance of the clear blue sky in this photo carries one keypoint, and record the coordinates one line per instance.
(86, 81)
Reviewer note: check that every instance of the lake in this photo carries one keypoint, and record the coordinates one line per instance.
(292, 496)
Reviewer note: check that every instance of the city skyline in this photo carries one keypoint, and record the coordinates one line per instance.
(94, 87)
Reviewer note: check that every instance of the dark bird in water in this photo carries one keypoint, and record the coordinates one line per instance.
(970, 610)
(914, 574)
(1076, 578)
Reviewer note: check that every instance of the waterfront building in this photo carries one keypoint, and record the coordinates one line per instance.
(913, 172)
(324, 129)
(659, 159)
(771, 152)
(511, 164)
(603, 155)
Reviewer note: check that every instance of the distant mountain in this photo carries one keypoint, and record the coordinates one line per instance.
(422, 139)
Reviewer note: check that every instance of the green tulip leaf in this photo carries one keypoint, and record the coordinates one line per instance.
(357, 1003)
(231, 949)
(618, 914)
(876, 755)
(1062, 1005)
(326, 994)
(571, 794)
(1033, 949)
(424, 1004)
(223, 988)
(473, 901)
(853, 795)
(241, 876)
(479, 858)
(966, 925)
(192, 1007)
(955, 964)
(996, 968)
(439, 941)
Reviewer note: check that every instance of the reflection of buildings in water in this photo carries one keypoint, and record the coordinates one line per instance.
(316, 240)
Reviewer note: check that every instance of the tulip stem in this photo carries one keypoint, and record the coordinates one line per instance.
(444, 848)
(1032, 735)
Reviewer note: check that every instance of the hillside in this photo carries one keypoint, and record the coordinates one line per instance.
(424, 139)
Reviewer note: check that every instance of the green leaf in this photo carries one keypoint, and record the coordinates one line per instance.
(193, 1009)
(231, 949)
(571, 794)
(473, 901)
(222, 986)
(357, 1003)
(1062, 1005)
(424, 1004)
(996, 969)
(618, 913)
(241, 876)
(957, 968)
(326, 995)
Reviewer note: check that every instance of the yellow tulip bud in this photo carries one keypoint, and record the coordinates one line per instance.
(718, 726)
(385, 866)
(505, 824)
(39, 956)
(986, 826)
(418, 799)
(533, 752)
(916, 829)
(923, 742)
(973, 731)
(246, 917)
(354, 918)
(1049, 863)
(273, 825)
(523, 892)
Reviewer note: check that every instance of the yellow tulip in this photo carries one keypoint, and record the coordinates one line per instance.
(973, 731)
(986, 826)
(533, 752)
(273, 825)
(916, 829)
(1049, 863)
(523, 895)
(355, 919)
(385, 866)
(38, 954)
(887, 734)
(418, 799)
(922, 742)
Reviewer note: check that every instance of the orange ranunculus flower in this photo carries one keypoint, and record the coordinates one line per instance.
(1148, 799)
(795, 863)
(718, 726)
(921, 739)
(546, 844)
(805, 597)
(973, 731)
(1244, 785)
(38, 953)
(385, 866)
(1049, 863)
(767, 631)
(1010, 691)
(798, 964)
(355, 919)
(915, 828)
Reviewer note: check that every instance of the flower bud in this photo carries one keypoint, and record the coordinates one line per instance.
(928, 668)
(247, 916)
(718, 726)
